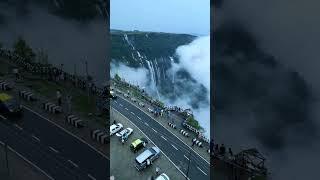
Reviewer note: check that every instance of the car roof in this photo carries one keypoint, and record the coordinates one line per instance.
(4, 97)
(136, 142)
(163, 176)
(143, 156)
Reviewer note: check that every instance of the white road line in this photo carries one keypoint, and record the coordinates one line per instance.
(36, 138)
(132, 112)
(121, 105)
(17, 126)
(202, 171)
(154, 130)
(67, 132)
(186, 157)
(54, 150)
(174, 147)
(2, 117)
(74, 164)
(164, 138)
(169, 131)
(2, 143)
(126, 109)
(46, 174)
(154, 144)
(138, 117)
(146, 124)
(91, 177)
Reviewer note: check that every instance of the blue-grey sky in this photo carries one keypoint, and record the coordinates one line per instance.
(176, 16)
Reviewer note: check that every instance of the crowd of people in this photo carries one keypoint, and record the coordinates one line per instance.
(221, 151)
(50, 73)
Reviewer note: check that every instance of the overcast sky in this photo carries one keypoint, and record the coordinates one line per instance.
(176, 16)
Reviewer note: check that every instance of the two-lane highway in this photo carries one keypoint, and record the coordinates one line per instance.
(177, 151)
(52, 149)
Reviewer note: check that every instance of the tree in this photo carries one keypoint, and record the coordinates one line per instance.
(22, 49)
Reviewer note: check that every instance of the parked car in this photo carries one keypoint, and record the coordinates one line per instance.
(141, 104)
(138, 144)
(114, 128)
(146, 158)
(113, 95)
(126, 95)
(9, 105)
(124, 134)
(163, 176)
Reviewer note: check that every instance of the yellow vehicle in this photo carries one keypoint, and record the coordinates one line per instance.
(138, 144)
(9, 105)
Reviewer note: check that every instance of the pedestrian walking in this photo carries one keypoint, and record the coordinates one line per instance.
(59, 97)
(157, 170)
(193, 142)
(69, 99)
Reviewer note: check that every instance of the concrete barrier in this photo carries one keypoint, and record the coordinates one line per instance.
(172, 125)
(100, 136)
(74, 121)
(27, 95)
(5, 86)
(197, 142)
(183, 132)
(52, 108)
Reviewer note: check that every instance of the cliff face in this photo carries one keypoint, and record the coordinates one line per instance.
(156, 52)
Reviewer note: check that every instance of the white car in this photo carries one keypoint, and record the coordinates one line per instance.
(124, 134)
(163, 176)
(114, 128)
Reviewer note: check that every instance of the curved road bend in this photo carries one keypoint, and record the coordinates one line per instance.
(178, 152)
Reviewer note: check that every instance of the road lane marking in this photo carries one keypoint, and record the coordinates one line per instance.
(126, 109)
(36, 138)
(164, 138)
(138, 117)
(17, 126)
(74, 164)
(3, 117)
(67, 132)
(186, 157)
(168, 130)
(132, 112)
(146, 124)
(121, 105)
(154, 130)
(46, 174)
(154, 144)
(202, 171)
(2, 143)
(174, 147)
(54, 150)
(91, 177)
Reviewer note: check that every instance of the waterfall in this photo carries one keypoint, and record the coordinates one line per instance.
(153, 78)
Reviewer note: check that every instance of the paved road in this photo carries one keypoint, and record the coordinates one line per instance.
(178, 152)
(55, 151)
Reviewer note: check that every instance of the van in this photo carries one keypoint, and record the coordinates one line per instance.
(146, 158)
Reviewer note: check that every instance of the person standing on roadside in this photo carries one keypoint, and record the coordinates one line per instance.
(59, 97)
